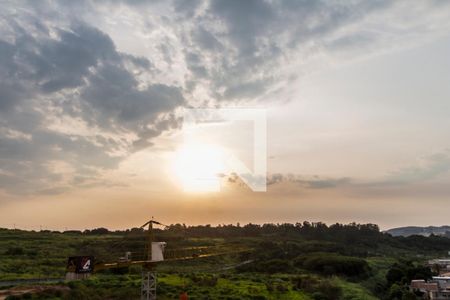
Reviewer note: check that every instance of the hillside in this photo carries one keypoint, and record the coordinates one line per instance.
(417, 230)
(285, 261)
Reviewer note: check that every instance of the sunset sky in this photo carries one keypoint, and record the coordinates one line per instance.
(92, 98)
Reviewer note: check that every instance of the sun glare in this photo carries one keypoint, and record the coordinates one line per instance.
(198, 167)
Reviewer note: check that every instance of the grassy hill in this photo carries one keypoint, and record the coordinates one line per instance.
(287, 261)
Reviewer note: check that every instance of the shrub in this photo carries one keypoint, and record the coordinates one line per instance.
(334, 264)
(277, 286)
(15, 251)
(267, 266)
(204, 280)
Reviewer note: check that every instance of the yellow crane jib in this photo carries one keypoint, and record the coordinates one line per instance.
(80, 267)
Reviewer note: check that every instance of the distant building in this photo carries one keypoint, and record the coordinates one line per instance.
(440, 266)
(436, 289)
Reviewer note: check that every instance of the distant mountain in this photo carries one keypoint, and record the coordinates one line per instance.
(416, 230)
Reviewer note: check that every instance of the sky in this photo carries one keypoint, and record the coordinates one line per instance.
(93, 94)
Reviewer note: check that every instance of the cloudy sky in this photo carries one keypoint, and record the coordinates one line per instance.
(92, 97)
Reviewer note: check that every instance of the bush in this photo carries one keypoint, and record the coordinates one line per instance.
(204, 280)
(277, 286)
(15, 251)
(258, 297)
(320, 289)
(267, 266)
(329, 290)
(334, 264)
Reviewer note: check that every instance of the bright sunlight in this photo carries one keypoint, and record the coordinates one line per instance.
(198, 167)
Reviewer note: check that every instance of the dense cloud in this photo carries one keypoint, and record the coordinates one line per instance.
(244, 49)
(76, 74)
(72, 105)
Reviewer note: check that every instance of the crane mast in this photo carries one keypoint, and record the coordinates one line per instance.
(148, 283)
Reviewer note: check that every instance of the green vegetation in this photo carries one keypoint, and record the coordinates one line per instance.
(288, 261)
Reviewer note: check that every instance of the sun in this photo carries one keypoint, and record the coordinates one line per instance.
(198, 167)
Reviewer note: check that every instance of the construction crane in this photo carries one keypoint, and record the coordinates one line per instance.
(81, 267)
